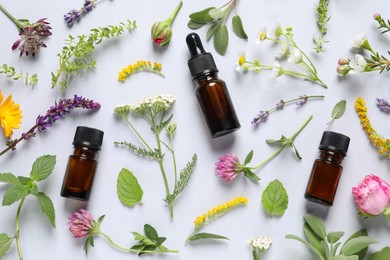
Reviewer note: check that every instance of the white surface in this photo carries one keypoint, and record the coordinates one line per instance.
(250, 93)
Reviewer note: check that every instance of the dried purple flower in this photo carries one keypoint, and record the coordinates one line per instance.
(280, 105)
(228, 166)
(75, 15)
(302, 100)
(260, 117)
(383, 105)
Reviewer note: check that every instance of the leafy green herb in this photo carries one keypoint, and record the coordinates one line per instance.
(382, 23)
(380, 255)
(206, 236)
(338, 110)
(128, 189)
(275, 198)
(322, 20)
(10, 72)
(325, 246)
(77, 54)
(218, 29)
(20, 188)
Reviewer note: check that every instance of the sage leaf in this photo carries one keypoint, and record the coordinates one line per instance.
(211, 31)
(221, 39)
(202, 16)
(248, 158)
(15, 193)
(150, 232)
(206, 236)
(333, 237)
(43, 167)
(338, 110)
(345, 257)
(194, 25)
(380, 255)
(314, 240)
(357, 244)
(238, 28)
(9, 178)
(307, 244)
(317, 225)
(275, 198)
(362, 232)
(128, 189)
(5, 243)
(47, 207)
(216, 13)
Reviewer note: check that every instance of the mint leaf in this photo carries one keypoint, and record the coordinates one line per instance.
(42, 167)
(355, 245)
(5, 243)
(275, 198)
(317, 225)
(128, 189)
(9, 178)
(206, 236)
(150, 232)
(47, 207)
(221, 39)
(238, 28)
(15, 193)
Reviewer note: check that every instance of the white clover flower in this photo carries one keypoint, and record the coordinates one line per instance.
(282, 51)
(276, 31)
(262, 35)
(360, 40)
(260, 242)
(295, 57)
(358, 63)
(277, 70)
(239, 62)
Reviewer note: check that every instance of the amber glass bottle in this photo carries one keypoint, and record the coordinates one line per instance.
(82, 163)
(327, 169)
(212, 93)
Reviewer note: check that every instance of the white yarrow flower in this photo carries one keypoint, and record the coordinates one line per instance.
(295, 57)
(260, 242)
(282, 51)
(262, 35)
(358, 63)
(360, 40)
(277, 70)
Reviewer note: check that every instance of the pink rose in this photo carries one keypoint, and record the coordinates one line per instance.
(372, 196)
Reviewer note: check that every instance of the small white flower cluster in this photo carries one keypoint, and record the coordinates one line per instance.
(155, 104)
(260, 242)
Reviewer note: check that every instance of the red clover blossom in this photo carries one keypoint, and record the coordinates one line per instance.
(227, 167)
(82, 224)
(75, 15)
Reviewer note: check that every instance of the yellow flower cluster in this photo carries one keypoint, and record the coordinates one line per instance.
(219, 210)
(139, 66)
(376, 139)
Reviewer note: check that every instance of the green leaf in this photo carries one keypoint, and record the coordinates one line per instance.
(88, 242)
(194, 25)
(5, 243)
(47, 207)
(15, 193)
(344, 257)
(211, 30)
(359, 233)
(184, 177)
(43, 167)
(338, 110)
(238, 28)
(216, 13)
(275, 198)
(355, 245)
(221, 39)
(202, 16)
(307, 244)
(380, 255)
(141, 151)
(138, 236)
(251, 175)
(128, 189)
(206, 236)
(314, 240)
(160, 241)
(9, 178)
(150, 232)
(317, 225)
(333, 237)
(248, 158)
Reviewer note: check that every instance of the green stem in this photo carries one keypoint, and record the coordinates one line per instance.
(13, 146)
(294, 100)
(136, 132)
(301, 128)
(17, 227)
(13, 19)
(173, 157)
(268, 159)
(172, 17)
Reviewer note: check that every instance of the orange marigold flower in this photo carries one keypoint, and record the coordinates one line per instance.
(10, 115)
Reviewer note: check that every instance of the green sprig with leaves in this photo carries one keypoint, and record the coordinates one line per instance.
(322, 20)
(382, 23)
(20, 188)
(325, 245)
(275, 198)
(10, 72)
(217, 18)
(77, 54)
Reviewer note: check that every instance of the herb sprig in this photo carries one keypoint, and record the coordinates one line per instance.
(322, 20)
(77, 54)
(20, 188)
(10, 72)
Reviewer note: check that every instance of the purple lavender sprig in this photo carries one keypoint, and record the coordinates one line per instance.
(75, 15)
(263, 115)
(56, 112)
(383, 105)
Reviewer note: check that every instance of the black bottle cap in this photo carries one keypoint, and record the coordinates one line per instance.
(334, 142)
(89, 137)
(201, 62)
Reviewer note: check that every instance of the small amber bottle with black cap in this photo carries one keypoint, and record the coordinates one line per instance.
(327, 169)
(81, 168)
(212, 93)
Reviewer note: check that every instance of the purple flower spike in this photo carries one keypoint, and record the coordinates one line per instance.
(303, 100)
(227, 167)
(261, 117)
(383, 105)
(75, 15)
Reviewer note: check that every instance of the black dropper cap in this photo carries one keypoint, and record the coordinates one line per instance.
(334, 142)
(89, 137)
(201, 62)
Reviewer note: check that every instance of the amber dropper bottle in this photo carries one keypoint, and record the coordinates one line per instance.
(327, 169)
(81, 168)
(212, 93)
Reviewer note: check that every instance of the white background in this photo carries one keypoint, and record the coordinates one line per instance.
(250, 93)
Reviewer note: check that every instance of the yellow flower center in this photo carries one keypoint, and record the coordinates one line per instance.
(241, 60)
(262, 36)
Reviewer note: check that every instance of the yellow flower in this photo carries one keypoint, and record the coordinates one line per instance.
(139, 66)
(10, 115)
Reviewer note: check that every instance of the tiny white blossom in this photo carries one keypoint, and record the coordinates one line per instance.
(276, 31)
(295, 57)
(260, 242)
(239, 62)
(277, 70)
(282, 51)
(358, 63)
(360, 40)
(262, 35)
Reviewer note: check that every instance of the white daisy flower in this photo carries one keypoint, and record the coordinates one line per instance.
(277, 70)
(276, 31)
(295, 57)
(239, 62)
(358, 63)
(282, 51)
(262, 35)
